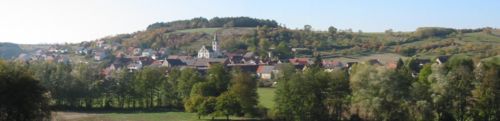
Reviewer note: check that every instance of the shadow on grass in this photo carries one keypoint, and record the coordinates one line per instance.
(116, 110)
(105, 111)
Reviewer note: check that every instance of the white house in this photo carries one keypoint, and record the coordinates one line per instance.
(265, 71)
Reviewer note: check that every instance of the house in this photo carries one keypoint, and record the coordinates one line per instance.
(137, 51)
(171, 63)
(100, 43)
(134, 66)
(248, 68)
(234, 58)
(157, 63)
(442, 59)
(416, 65)
(349, 66)
(99, 55)
(107, 72)
(147, 52)
(300, 61)
(205, 52)
(212, 52)
(63, 59)
(39, 52)
(331, 65)
(265, 71)
(52, 49)
(82, 51)
(204, 64)
(250, 61)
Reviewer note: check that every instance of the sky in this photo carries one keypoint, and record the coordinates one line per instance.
(72, 21)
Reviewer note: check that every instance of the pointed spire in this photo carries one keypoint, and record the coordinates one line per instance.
(215, 44)
(215, 36)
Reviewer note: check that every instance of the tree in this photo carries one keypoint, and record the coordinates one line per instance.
(244, 88)
(86, 81)
(283, 50)
(301, 96)
(227, 104)
(207, 107)
(389, 32)
(219, 77)
(332, 30)
(486, 95)
(264, 44)
(22, 97)
(172, 94)
(149, 81)
(452, 87)
(378, 93)
(338, 92)
(191, 104)
(124, 82)
(187, 79)
(421, 106)
(307, 28)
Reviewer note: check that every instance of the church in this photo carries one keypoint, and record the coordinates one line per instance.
(206, 52)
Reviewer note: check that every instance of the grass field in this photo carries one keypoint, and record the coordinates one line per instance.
(161, 116)
(202, 30)
(153, 116)
(266, 97)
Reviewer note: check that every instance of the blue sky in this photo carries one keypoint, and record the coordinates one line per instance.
(60, 21)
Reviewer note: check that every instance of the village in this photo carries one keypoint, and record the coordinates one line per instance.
(264, 68)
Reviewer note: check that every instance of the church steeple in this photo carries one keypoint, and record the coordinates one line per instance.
(215, 44)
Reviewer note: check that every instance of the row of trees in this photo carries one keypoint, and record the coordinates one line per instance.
(214, 22)
(219, 92)
(457, 90)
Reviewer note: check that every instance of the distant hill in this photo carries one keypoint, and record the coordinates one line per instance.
(264, 35)
(9, 50)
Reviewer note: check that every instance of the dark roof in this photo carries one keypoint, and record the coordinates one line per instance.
(350, 64)
(249, 68)
(373, 62)
(175, 62)
(443, 58)
(202, 62)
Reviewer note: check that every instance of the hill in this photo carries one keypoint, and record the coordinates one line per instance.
(9, 50)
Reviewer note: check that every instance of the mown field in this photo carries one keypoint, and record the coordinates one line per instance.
(266, 96)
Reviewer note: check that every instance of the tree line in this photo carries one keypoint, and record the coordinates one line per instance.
(217, 92)
(456, 90)
(201, 22)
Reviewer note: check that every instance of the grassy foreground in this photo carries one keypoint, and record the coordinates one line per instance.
(266, 96)
(159, 116)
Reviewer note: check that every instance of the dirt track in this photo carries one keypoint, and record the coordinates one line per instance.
(71, 116)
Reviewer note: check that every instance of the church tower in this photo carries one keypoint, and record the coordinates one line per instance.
(215, 44)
